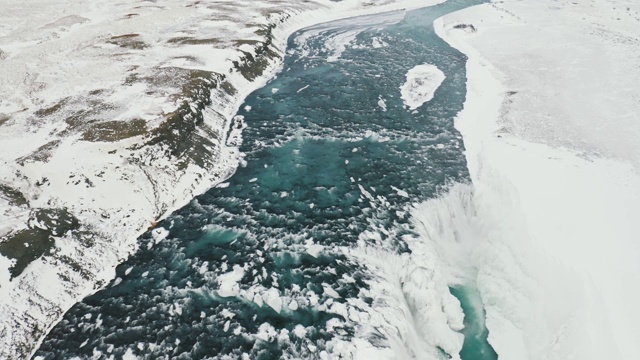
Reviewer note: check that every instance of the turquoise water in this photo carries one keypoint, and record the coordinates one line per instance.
(322, 161)
(475, 333)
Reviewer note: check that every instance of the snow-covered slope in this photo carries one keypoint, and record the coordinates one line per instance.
(551, 131)
(113, 114)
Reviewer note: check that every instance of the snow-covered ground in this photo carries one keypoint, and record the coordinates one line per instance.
(113, 114)
(552, 136)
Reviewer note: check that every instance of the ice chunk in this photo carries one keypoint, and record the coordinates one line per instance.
(400, 192)
(328, 290)
(229, 282)
(272, 298)
(382, 103)
(129, 355)
(314, 250)
(421, 85)
(300, 331)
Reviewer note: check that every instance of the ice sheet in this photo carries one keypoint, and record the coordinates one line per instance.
(551, 136)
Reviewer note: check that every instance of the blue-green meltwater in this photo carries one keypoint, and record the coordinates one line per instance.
(303, 252)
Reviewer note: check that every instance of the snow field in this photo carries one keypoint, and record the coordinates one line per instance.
(553, 160)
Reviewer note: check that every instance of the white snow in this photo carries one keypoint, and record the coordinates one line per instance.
(551, 133)
(421, 85)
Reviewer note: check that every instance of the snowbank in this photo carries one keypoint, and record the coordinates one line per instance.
(551, 136)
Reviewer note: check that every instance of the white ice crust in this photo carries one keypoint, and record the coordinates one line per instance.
(421, 85)
(551, 132)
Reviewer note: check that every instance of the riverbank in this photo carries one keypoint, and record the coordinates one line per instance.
(551, 138)
(111, 122)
